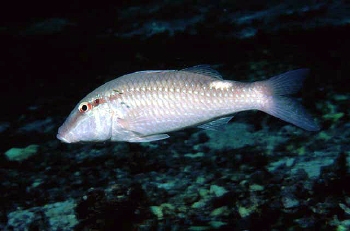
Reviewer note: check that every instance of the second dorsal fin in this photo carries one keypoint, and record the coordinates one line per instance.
(204, 70)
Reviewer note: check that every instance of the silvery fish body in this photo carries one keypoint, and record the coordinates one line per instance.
(144, 106)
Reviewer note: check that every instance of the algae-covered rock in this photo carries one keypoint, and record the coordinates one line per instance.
(20, 154)
(217, 190)
(57, 216)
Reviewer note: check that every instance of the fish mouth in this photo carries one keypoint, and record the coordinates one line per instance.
(62, 138)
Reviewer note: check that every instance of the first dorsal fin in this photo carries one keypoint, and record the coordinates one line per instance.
(204, 70)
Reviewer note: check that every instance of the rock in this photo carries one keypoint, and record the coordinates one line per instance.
(157, 211)
(20, 154)
(217, 190)
(56, 216)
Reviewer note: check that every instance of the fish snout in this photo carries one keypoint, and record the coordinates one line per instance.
(64, 136)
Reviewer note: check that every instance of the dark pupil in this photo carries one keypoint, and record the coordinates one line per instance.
(84, 107)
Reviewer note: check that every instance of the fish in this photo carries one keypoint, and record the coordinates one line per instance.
(145, 106)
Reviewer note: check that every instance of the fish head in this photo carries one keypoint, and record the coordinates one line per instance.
(89, 121)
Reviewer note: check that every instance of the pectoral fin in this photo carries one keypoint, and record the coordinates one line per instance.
(149, 138)
(216, 125)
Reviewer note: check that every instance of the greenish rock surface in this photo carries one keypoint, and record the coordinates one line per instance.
(20, 154)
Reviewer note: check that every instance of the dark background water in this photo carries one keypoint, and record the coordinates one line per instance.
(54, 53)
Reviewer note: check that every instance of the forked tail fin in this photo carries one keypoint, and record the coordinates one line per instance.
(278, 104)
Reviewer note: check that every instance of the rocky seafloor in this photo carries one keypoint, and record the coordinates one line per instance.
(257, 173)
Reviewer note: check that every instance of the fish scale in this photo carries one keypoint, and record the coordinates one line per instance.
(163, 101)
(173, 95)
(145, 106)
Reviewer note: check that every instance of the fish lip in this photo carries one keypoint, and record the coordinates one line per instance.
(62, 138)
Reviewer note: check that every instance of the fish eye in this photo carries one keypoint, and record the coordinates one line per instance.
(84, 107)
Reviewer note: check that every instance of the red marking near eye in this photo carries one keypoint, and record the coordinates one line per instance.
(98, 101)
